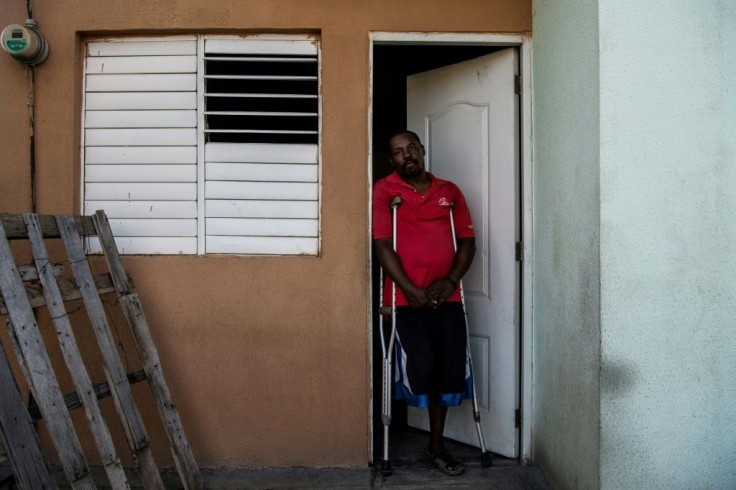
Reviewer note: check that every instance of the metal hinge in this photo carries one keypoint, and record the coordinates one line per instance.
(517, 418)
(517, 84)
(519, 251)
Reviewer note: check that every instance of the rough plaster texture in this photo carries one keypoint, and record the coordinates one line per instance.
(566, 243)
(268, 359)
(668, 229)
(639, 100)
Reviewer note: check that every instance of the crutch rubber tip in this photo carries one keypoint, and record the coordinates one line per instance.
(485, 459)
(386, 468)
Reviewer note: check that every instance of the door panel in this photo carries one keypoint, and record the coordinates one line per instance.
(467, 116)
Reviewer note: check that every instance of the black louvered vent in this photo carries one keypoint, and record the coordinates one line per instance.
(261, 98)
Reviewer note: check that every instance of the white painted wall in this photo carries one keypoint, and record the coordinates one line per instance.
(668, 243)
(635, 243)
(566, 244)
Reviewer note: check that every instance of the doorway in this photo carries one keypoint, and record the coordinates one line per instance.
(393, 63)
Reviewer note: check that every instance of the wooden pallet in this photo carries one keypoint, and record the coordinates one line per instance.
(18, 300)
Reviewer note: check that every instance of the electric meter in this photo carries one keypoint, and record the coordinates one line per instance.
(25, 43)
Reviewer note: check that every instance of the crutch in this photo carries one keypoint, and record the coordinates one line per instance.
(485, 456)
(388, 349)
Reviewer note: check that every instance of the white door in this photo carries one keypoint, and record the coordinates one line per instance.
(467, 116)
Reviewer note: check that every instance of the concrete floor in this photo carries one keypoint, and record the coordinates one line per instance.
(411, 470)
(417, 474)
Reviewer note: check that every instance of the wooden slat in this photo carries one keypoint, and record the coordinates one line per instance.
(140, 137)
(262, 172)
(110, 101)
(261, 46)
(149, 355)
(144, 209)
(282, 191)
(29, 272)
(140, 173)
(140, 191)
(164, 82)
(102, 390)
(128, 412)
(15, 227)
(262, 245)
(152, 47)
(260, 153)
(164, 155)
(73, 358)
(37, 367)
(260, 209)
(180, 449)
(68, 288)
(120, 278)
(162, 245)
(18, 436)
(140, 119)
(262, 227)
(142, 64)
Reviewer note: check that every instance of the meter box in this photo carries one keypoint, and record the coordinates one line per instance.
(25, 43)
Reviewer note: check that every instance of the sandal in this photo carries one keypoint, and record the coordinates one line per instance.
(444, 462)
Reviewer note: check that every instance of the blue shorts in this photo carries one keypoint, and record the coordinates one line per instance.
(432, 361)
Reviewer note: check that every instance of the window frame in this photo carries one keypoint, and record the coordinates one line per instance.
(201, 135)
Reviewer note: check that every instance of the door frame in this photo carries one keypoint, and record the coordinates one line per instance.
(523, 43)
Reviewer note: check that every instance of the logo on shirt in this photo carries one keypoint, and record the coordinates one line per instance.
(444, 202)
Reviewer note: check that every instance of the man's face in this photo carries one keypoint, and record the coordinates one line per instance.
(407, 155)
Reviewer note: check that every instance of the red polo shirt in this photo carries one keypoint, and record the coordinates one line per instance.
(424, 235)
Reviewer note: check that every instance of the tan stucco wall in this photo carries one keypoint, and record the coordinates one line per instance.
(268, 358)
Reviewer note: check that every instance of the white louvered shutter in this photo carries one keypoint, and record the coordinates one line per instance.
(140, 137)
(204, 144)
(261, 152)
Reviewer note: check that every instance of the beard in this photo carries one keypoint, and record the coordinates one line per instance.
(413, 172)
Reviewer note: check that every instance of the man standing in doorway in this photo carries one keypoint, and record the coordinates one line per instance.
(431, 336)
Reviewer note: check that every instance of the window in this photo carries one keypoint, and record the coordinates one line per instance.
(204, 144)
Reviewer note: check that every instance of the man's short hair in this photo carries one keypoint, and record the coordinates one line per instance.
(403, 131)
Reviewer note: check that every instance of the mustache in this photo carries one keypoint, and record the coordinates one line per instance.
(411, 160)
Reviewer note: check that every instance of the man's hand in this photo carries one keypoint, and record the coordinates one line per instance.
(440, 290)
(437, 292)
(419, 298)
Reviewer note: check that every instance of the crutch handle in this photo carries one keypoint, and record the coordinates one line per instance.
(395, 202)
(385, 310)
